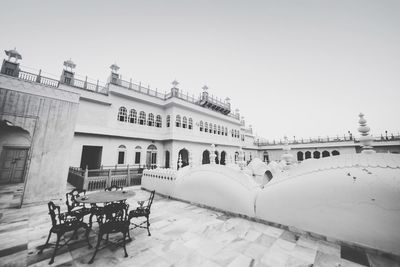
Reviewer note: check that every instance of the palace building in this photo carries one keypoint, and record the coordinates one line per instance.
(50, 124)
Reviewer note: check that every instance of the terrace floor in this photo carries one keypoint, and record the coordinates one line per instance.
(182, 235)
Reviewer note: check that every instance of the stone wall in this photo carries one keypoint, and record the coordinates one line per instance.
(49, 115)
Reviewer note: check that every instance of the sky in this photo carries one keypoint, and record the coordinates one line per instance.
(303, 68)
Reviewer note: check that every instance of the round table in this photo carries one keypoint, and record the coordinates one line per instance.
(105, 196)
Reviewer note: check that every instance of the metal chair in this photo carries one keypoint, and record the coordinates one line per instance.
(112, 218)
(61, 224)
(143, 211)
(74, 208)
(114, 188)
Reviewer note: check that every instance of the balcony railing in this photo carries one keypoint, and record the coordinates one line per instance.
(27, 76)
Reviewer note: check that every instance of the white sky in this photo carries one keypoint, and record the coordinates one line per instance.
(300, 68)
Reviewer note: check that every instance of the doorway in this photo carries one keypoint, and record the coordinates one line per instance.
(184, 154)
(12, 168)
(91, 157)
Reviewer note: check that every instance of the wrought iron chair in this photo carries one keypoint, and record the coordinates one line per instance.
(112, 218)
(114, 188)
(143, 211)
(61, 224)
(74, 208)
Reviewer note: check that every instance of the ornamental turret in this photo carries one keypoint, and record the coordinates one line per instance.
(366, 139)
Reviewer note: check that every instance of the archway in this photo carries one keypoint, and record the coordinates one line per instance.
(151, 157)
(335, 153)
(216, 157)
(300, 156)
(167, 159)
(269, 175)
(325, 154)
(223, 158)
(15, 143)
(206, 157)
(307, 155)
(184, 154)
(316, 155)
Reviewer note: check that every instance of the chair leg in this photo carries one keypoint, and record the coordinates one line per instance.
(126, 254)
(45, 245)
(148, 225)
(55, 249)
(87, 236)
(97, 247)
(74, 235)
(129, 235)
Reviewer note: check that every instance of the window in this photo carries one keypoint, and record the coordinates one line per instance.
(215, 129)
(121, 154)
(184, 122)
(226, 131)
(201, 126)
(142, 118)
(150, 120)
(211, 128)
(219, 130)
(190, 124)
(138, 153)
(222, 130)
(122, 114)
(132, 116)
(206, 127)
(178, 121)
(158, 121)
(9, 71)
(168, 120)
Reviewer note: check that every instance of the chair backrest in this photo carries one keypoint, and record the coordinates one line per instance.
(54, 212)
(113, 188)
(71, 198)
(150, 200)
(113, 212)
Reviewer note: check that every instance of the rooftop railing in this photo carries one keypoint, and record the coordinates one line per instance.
(328, 139)
(27, 76)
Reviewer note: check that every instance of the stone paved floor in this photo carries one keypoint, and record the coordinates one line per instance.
(182, 235)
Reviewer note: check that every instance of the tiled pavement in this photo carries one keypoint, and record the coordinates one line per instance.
(182, 235)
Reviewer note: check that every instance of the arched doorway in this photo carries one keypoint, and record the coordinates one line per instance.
(325, 154)
(206, 157)
(223, 158)
(335, 153)
(216, 157)
(307, 155)
(269, 175)
(300, 156)
(316, 155)
(184, 154)
(167, 159)
(14, 146)
(151, 157)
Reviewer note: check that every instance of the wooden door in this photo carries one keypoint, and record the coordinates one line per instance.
(12, 165)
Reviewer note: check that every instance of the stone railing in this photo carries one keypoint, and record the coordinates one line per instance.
(161, 180)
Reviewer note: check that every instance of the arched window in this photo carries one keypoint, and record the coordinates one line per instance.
(168, 120)
(232, 133)
(215, 129)
(316, 155)
(151, 156)
(122, 114)
(325, 154)
(307, 155)
(222, 130)
(219, 129)
(132, 116)
(150, 120)
(142, 118)
(335, 153)
(184, 122)
(178, 121)
(300, 156)
(121, 154)
(158, 121)
(201, 126)
(190, 124)
(226, 131)
(211, 128)
(206, 127)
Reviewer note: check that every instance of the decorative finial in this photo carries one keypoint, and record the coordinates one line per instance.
(287, 156)
(212, 154)
(114, 68)
(365, 139)
(13, 53)
(205, 88)
(69, 64)
(175, 83)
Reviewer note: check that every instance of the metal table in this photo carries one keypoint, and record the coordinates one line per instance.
(105, 197)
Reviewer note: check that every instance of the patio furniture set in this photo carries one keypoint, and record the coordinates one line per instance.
(108, 207)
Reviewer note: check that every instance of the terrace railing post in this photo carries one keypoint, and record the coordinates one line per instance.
(97, 86)
(86, 179)
(38, 77)
(128, 177)
(85, 83)
(108, 182)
